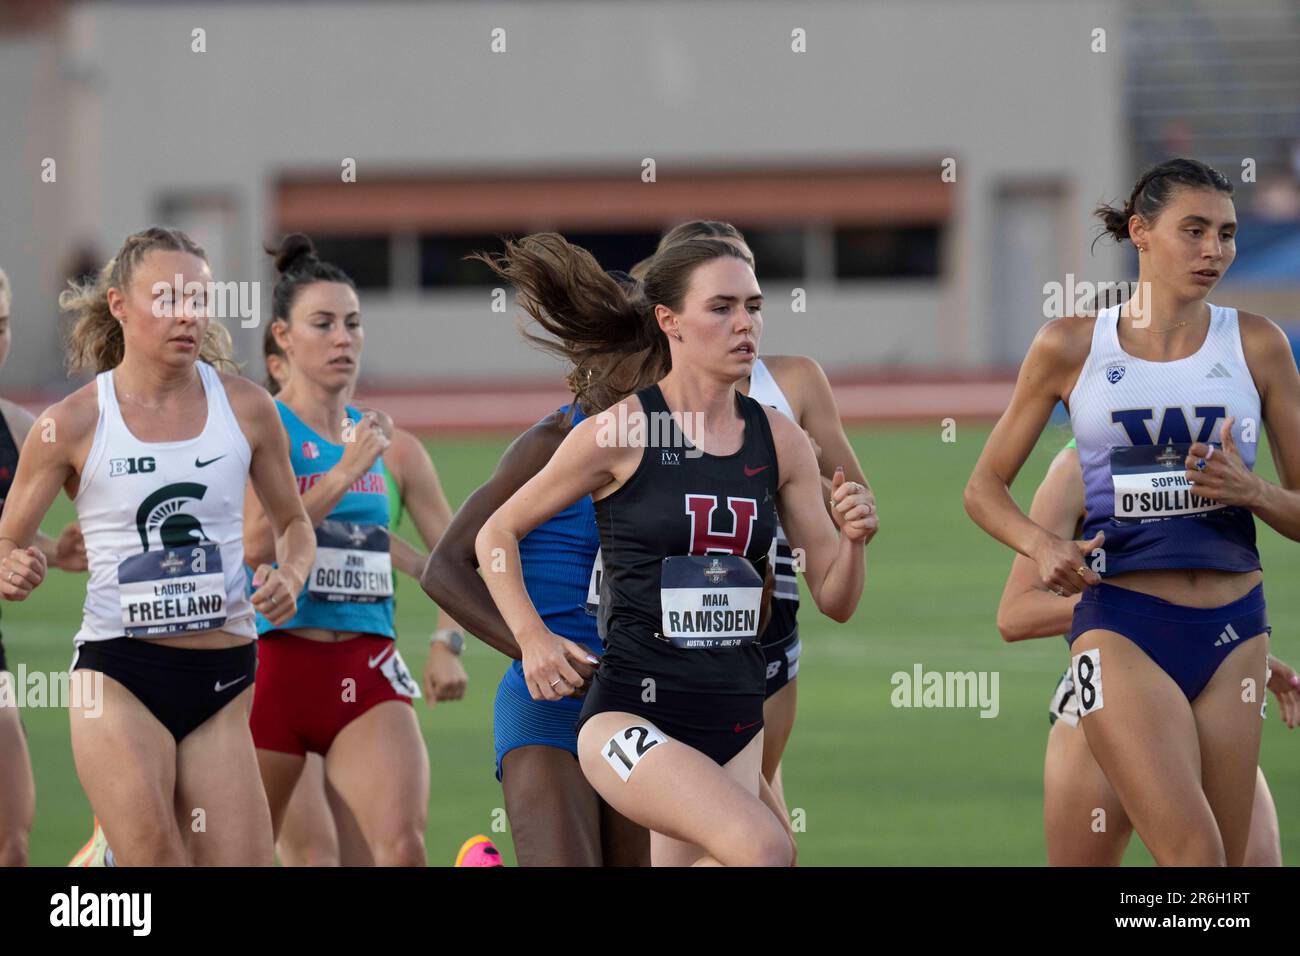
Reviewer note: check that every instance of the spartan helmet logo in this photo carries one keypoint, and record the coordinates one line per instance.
(162, 510)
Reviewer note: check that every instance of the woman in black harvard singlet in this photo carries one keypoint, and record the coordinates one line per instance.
(17, 786)
(687, 477)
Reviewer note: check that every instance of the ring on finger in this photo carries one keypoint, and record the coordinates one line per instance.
(554, 682)
(1081, 569)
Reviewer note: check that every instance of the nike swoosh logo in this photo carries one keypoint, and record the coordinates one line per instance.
(747, 726)
(218, 687)
(372, 661)
(199, 463)
(751, 472)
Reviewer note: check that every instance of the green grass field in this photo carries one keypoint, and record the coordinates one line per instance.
(876, 785)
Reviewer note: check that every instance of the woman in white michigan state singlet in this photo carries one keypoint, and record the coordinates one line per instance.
(155, 453)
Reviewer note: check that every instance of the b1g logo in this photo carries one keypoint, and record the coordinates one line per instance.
(704, 538)
(131, 466)
(1173, 424)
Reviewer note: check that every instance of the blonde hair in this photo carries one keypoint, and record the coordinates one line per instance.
(4, 284)
(95, 342)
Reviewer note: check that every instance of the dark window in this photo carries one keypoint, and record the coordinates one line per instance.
(364, 258)
(883, 252)
(616, 250)
(443, 263)
(778, 251)
(442, 257)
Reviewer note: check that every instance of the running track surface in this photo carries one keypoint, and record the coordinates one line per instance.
(510, 408)
(439, 412)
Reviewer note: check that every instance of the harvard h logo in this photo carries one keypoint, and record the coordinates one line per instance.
(705, 538)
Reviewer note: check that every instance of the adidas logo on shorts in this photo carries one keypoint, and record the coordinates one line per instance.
(1227, 637)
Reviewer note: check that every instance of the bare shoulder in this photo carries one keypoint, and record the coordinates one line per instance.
(800, 376)
(73, 418)
(793, 366)
(404, 447)
(1267, 350)
(1067, 340)
(77, 413)
(1260, 333)
(254, 408)
(614, 439)
(618, 416)
(248, 399)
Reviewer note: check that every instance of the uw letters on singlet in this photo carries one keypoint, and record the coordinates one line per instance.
(1151, 483)
(352, 563)
(709, 601)
(173, 591)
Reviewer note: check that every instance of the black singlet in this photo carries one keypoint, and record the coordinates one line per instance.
(8, 458)
(683, 621)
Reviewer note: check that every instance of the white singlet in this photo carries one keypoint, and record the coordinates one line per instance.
(163, 523)
(764, 390)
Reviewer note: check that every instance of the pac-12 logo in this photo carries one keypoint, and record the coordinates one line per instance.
(1114, 373)
(131, 466)
(705, 538)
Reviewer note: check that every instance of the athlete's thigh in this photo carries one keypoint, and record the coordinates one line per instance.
(554, 813)
(778, 722)
(744, 770)
(379, 765)
(1264, 848)
(17, 786)
(1143, 736)
(307, 835)
(622, 841)
(126, 762)
(352, 847)
(1229, 724)
(1083, 819)
(279, 772)
(221, 805)
(677, 791)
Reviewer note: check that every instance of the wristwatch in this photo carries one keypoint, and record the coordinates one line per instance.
(453, 638)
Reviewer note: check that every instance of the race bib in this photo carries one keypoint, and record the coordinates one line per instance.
(626, 748)
(176, 591)
(1065, 702)
(709, 601)
(1086, 670)
(593, 586)
(1151, 483)
(352, 563)
(394, 668)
